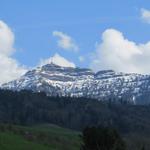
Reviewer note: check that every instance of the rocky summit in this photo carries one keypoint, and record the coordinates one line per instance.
(80, 82)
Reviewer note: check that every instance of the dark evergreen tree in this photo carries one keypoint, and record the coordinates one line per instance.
(143, 148)
(102, 138)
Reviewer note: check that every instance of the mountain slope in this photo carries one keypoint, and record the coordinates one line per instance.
(79, 82)
(41, 137)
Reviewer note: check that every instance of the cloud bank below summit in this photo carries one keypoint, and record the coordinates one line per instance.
(58, 60)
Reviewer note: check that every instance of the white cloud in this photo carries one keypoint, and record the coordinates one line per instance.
(6, 39)
(58, 60)
(65, 41)
(81, 58)
(118, 53)
(145, 15)
(9, 67)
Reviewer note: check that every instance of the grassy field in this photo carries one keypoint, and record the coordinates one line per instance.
(42, 137)
(52, 137)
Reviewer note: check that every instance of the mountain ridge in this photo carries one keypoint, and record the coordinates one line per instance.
(83, 82)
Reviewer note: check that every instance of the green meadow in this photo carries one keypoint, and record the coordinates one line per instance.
(42, 137)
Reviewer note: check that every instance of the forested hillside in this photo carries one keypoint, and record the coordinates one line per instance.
(28, 108)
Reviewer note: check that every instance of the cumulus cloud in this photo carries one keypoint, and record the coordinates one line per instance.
(58, 60)
(9, 67)
(145, 15)
(81, 58)
(6, 39)
(118, 53)
(65, 41)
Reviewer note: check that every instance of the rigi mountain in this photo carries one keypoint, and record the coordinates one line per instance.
(80, 82)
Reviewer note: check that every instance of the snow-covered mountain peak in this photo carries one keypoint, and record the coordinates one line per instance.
(69, 81)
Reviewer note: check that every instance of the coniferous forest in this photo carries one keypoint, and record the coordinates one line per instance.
(29, 108)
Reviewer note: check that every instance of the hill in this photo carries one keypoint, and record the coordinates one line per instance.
(28, 108)
(53, 137)
(43, 137)
(34, 114)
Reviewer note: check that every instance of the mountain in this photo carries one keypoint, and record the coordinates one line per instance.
(80, 82)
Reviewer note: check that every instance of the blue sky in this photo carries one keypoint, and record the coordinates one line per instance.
(34, 21)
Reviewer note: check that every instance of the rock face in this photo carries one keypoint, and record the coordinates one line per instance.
(80, 82)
